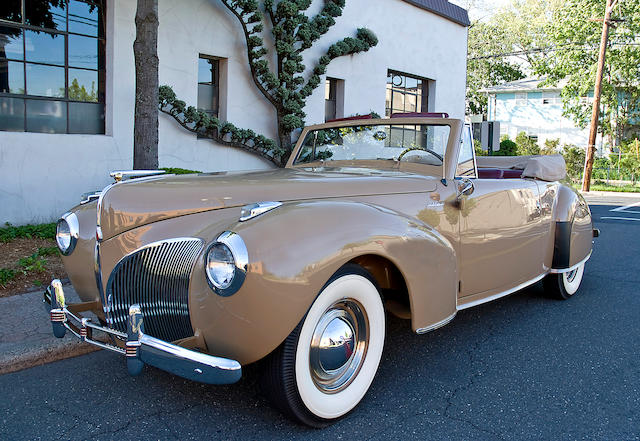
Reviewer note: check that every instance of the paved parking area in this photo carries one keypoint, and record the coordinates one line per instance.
(523, 367)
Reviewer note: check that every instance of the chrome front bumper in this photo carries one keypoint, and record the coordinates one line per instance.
(140, 348)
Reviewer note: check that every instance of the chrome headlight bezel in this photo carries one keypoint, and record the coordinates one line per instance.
(238, 249)
(71, 220)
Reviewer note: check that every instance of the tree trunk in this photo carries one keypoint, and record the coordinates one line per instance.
(145, 51)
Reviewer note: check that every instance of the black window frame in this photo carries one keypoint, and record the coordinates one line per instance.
(424, 91)
(214, 83)
(101, 64)
(331, 100)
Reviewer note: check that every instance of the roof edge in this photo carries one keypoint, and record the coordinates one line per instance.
(444, 9)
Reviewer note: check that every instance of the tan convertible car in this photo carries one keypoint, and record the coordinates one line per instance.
(202, 274)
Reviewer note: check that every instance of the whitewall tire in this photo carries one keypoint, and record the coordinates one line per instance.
(325, 367)
(564, 285)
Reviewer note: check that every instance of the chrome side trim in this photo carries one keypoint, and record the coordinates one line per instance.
(567, 270)
(85, 198)
(253, 210)
(502, 294)
(435, 326)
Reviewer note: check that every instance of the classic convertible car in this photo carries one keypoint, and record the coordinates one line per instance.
(202, 274)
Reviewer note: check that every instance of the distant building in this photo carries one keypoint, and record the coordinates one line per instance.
(522, 106)
(67, 86)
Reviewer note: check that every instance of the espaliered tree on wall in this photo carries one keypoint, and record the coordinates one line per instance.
(280, 75)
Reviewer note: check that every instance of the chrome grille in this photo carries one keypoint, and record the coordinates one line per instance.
(157, 278)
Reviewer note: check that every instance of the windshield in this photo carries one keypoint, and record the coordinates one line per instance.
(422, 143)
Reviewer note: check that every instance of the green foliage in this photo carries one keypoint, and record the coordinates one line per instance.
(477, 146)
(574, 157)
(79, 93)
(574, 31)
(486, 40)
(551, 147)
(6, 275)
(35, 262)
(41, 231)
(285, 87)
(526, 145)
(179, 171)
(507, 148)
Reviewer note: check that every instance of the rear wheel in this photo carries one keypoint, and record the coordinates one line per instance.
(326, 365)
(564, 285)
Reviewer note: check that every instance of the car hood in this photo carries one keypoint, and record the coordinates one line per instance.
(138, 202)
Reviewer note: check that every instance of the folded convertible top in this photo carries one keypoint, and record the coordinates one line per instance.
(544, 167)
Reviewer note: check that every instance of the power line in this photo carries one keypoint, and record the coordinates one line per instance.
(551, 49)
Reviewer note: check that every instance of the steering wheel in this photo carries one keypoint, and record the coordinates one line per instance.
(411, 149)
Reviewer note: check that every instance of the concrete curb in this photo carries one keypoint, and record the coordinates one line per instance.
(26, 339)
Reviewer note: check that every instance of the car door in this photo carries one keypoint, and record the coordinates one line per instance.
(501, 234)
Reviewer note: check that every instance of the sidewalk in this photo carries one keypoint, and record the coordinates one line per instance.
(26, 339)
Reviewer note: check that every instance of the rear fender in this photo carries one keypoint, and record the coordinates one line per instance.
(573, 229)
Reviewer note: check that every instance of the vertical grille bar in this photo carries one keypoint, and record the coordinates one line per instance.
(157, 278)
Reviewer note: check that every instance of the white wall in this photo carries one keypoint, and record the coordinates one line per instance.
(42, 175)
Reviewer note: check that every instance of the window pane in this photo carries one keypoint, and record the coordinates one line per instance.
(12, 114)
(204, 70)
(86, 118)
(11, 76)
(43, 47)
(46, 116)
(83, 18)
(83, 85)
(205, 97)
(11, 43)
(83, 52)
(45, 80)
(46, 14)
(11, 11)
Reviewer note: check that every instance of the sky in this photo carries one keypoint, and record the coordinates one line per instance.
(480, 9)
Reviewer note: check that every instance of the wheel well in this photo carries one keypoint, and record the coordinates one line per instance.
(390, 281)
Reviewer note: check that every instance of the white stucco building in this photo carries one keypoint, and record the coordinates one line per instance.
(67, 87)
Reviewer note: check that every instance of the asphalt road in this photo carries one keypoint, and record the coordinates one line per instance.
(523, 367)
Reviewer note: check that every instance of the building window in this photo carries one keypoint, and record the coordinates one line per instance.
(521, 99)
(52, 66)
(406, 93)
(209, 85)
(330, 98)
(551, 98)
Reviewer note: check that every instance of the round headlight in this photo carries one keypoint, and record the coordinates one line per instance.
(221, 266)
(67, 232)
(226, 264)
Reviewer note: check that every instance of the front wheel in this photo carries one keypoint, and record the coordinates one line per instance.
(326, 365)
(564, 285)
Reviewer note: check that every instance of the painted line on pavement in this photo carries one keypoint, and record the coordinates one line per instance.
(626, 208)
(620, 218)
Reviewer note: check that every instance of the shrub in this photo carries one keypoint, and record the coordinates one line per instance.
(41, 231)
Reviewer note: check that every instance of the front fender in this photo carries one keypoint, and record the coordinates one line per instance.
(295, 249)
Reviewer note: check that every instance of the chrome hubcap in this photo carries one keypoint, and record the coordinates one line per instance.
(338, 346)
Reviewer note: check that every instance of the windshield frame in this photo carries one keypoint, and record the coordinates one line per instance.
(446, 170)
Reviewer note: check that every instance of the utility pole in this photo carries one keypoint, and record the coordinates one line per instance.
(593, 131)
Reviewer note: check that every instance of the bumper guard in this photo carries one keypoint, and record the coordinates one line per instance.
(140, 348)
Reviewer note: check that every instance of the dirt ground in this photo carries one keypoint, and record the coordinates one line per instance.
(13, 251)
